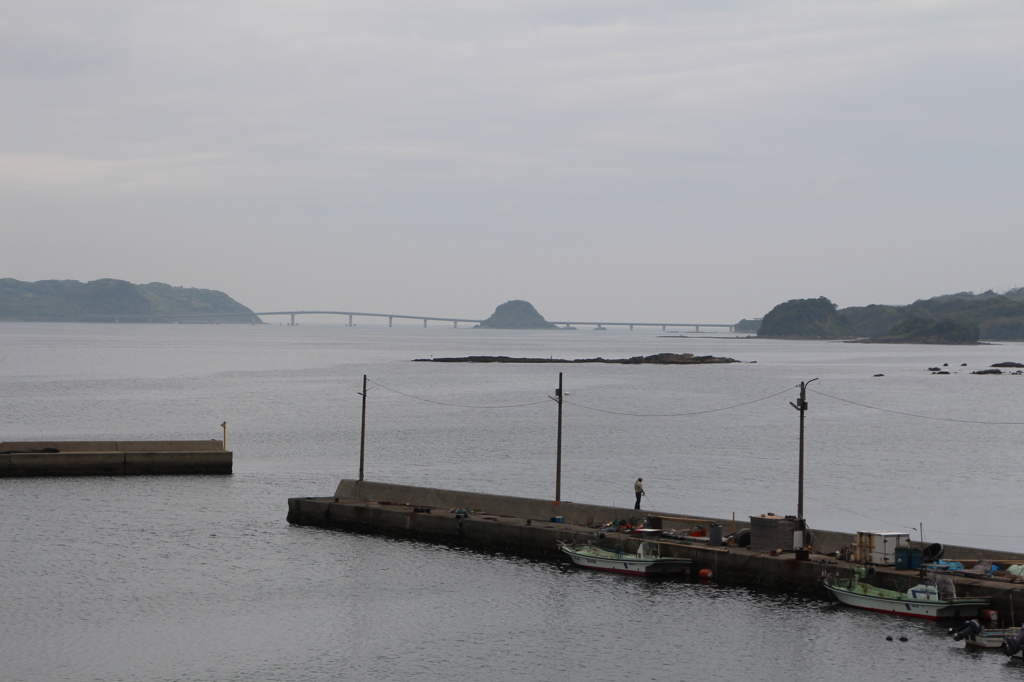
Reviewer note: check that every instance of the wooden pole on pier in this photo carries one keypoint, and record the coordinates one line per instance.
(362, 432)
(801, 406)
(558, 457)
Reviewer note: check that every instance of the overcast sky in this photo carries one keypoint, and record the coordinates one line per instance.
(638, 160)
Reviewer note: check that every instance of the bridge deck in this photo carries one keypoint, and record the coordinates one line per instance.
(395, 316)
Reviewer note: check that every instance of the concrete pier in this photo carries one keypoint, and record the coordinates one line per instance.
(113, 458)
(523, 526)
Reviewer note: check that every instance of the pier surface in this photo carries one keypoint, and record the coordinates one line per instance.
(524, 526)
(113, 458)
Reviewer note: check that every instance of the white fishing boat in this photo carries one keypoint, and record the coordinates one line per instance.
(932, 599)
(647, 560)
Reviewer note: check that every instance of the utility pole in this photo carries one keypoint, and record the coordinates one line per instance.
(558, 451)
(362, 432)
(801, 406)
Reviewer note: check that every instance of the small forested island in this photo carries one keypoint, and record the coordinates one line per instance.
(746, 326)
(108, 300)
(810, 318)
(659, 359)
(962, 318)
(516, 315)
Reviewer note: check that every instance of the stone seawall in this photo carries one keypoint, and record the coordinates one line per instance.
(523, 526)
(113, 458)
(825, 541)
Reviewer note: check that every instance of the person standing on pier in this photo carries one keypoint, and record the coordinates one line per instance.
(638, 488)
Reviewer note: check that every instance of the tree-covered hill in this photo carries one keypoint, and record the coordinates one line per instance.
(924, 330)
(997, 316)
(516, 315)
(104, 300)
(954, 318)
(808, 318)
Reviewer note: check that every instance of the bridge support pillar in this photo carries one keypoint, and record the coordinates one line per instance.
(350, 321)
(696, 327)
(390, 321)
(424, 323)
(292, 324)
(630, 327)
(663, 327)
(455, 324)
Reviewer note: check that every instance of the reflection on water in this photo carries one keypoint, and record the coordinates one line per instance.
(201, 578)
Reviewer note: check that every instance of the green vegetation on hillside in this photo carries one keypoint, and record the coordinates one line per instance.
(924, 330)
(954, 318)
(747, 326)
(516, 315)
(997, 316)
(104, 299)
(808, 318)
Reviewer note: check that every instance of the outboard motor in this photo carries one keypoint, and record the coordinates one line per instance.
(1011, 645)
(968, 629)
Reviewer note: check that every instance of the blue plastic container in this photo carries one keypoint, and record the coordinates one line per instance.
(902, 557)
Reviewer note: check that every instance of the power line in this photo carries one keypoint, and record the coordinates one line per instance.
(850, 511)
(682, 414)
(699, 412)
(917, 416)
(475, 407)
(902, 525)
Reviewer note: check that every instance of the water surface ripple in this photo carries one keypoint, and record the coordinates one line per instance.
(201, 578)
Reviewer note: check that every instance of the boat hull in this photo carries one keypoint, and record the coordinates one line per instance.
(626, 564)
(930, 609)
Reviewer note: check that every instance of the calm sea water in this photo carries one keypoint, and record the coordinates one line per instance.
(201, 578)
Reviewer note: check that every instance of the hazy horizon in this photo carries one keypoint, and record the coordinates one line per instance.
(307, 317)
(622, 161)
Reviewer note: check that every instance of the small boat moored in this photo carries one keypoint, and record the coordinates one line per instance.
(646, 561)
(1008, 640)
(932, 599)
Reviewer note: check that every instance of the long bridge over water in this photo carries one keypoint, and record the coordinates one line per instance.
(567, 324)
(696, 326)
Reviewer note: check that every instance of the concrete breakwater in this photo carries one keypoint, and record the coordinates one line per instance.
(113, 458)
(523, 526)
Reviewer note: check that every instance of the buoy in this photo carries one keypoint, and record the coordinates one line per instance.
(705, 574)
(904, 638)
(990, 614)
(888, 638)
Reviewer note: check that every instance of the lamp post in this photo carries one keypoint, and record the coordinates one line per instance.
(801, 407)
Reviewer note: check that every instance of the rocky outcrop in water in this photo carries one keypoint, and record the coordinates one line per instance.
(659, 359)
